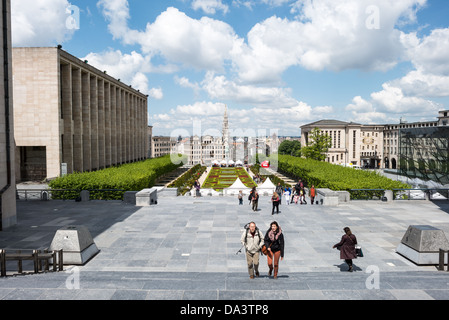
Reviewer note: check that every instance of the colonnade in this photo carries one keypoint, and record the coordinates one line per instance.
(103, 121)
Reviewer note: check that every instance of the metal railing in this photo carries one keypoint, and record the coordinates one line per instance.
(68, 194)
(421, 194)
(433, 194)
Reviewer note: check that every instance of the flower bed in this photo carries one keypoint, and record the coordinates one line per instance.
(221, 178)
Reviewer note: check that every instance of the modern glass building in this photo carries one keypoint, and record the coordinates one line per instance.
(424, 153)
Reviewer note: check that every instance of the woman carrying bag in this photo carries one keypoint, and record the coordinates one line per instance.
(274, 243)
(347, 247)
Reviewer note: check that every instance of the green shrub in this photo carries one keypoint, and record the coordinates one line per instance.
(337, 178)
(127, 177)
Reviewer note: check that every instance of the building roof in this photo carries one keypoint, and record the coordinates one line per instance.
(329, 123)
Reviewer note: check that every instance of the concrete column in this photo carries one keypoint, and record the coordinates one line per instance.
(139, 128)
(66, 102)
(94, 123)
(87, 165)
(101, 127)
(145, 132)
(77, 121)
(107, 123)
(128, 122)
(119, 125)
(142, 130)
(123, 126)
(113, 90)
(133, 127)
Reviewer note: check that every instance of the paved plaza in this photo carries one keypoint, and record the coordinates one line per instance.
(184, 248)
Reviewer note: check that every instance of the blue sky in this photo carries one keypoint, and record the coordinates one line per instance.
(276, 64)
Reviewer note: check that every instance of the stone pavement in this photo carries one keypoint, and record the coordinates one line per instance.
(185, 248)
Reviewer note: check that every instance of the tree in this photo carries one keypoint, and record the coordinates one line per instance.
(291, 148)
(318, 145)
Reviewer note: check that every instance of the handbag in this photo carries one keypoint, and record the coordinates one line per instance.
(358, 251)
(264, 249)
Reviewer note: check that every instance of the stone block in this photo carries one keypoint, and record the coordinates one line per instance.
(77, 245)
(327, 197)
(146, 197)
(343, 196)
(168, 192)
(421, 244)
(85, 195)
(130, 197)
(388, 195)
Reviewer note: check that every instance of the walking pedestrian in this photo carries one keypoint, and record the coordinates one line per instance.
(347, 247)
(252, 240)
(302, 196)
(255, 200)
(197, 188)
(287, 195)
(251, 193)
(275, 199)
(240, 197)
(279, 190)
(274, 241)
(297, 189)
(312, 194)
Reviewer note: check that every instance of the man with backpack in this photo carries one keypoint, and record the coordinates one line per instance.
(252, 239)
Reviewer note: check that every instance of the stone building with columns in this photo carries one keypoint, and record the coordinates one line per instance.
(8, 216)
(71, 117)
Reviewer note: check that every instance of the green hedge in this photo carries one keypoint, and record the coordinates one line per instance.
(256, 170)
(186, 181)
(335, 177)
(128, 177)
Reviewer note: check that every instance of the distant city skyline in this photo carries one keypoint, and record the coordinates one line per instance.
(276, 64)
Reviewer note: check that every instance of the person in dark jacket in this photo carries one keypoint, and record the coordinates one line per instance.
(255, 201)
(279, 190)
(347, 247)
(274, 241)
(275, 199)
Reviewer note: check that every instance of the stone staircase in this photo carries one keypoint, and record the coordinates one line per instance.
(277, 174)
(165, 180)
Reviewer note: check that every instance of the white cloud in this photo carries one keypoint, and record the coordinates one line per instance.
(429, 54)
(364, 112)
(421, 84)
(117, 12)
(210, 117)
(200, 44)
(210, 6)
(392, 99)
(218, 87)
(129, 68)
(120, 65)
(327, 34)
(41, 22)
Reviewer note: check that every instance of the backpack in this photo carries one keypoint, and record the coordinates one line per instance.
(247, 228)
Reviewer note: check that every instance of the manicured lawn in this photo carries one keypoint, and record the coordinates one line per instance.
(221, 178)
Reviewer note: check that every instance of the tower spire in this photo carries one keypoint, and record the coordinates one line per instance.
(226, 134)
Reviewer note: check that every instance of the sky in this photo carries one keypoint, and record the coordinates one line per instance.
(275, 64)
